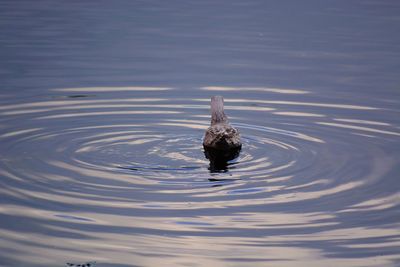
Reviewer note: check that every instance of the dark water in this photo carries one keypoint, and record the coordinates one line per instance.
(103, 106)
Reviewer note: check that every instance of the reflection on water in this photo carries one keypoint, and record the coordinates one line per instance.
(111, 89)
(219, 160)
(135, 179)
(259, 89)
(104, 110)
(365, 129)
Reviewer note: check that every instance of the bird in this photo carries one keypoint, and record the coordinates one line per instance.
(221, 136)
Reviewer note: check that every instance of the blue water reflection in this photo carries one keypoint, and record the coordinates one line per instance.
(103, 106)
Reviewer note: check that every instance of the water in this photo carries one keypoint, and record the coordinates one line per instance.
(103, 106)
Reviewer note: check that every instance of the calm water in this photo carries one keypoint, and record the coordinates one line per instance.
(103, 106)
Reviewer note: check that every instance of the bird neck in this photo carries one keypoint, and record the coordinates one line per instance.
(217, 110)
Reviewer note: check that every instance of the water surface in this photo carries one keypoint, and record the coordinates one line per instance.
(103, 107)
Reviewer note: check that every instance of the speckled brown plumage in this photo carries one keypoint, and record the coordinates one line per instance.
(220, 135)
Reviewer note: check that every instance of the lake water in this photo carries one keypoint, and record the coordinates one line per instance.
(103, 107)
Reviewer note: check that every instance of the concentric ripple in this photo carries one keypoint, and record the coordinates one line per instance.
(130, 166)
